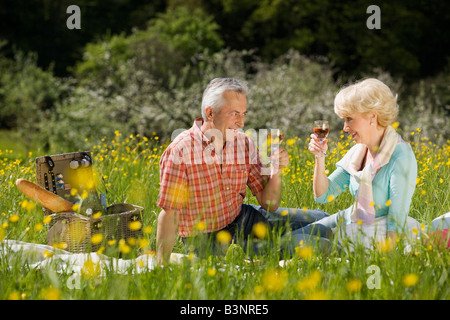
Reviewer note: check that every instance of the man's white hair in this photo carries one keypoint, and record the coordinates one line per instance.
(212, 96)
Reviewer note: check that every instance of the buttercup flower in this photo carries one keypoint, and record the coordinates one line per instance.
(410, 279)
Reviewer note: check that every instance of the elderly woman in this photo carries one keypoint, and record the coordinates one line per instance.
(380, 170)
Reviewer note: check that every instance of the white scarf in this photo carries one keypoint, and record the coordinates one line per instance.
(363, 207)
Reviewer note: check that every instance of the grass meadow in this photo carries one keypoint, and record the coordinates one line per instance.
(127, 170)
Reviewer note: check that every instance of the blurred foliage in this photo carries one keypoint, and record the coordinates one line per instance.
(151, 79)
(410, 32)
(410, 43)
(171, 40)
(27, 95)
(40, 26)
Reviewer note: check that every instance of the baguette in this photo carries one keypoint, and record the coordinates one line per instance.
(45, 198)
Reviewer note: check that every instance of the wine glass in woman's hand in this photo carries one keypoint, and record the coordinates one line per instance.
(321, 129)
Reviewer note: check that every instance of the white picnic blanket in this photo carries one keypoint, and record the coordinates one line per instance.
(36, 255)
(370, 234)
(440, 223)
(40, 256)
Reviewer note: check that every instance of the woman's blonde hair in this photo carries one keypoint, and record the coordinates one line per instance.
(366, 96)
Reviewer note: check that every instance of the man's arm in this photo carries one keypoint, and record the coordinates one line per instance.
(269, 198)
(166, 235)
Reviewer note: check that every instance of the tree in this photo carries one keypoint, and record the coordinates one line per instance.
(40, 26)
(172, 40)
(28, 95)
(410, 43)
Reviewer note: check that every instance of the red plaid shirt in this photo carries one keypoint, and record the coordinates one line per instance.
(206, 188)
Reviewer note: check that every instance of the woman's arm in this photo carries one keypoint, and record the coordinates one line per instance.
(320, 183)
(323, 185)
(402, 183)
(401, 189)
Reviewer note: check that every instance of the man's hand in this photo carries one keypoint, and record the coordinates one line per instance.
(269, 198)
(279, 159)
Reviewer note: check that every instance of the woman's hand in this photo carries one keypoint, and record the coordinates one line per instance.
(317, 147)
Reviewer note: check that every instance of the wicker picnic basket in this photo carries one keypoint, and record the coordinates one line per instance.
(93, 225)
(78, 233)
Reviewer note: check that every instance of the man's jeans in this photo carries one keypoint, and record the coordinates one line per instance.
(294, 225)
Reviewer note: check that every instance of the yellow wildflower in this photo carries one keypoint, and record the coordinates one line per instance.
(260, 230)
(14, 296)
(310, 281)
(123, 247)
(97, 215)
(304, 252)
(52, 293)
(290, 142)
(317, 295)
(135, 225)
(410, 279)
(90, 269)
(223, 236)
(97, 238)
(28, 205)
(386, 245)
(147, 230)
(211, 272)
(143, 243)
(274, 280)
(47, 254)
(200, 226)
(47, 219)
(354, 285)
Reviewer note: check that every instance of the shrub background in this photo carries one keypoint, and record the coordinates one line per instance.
(146, 73)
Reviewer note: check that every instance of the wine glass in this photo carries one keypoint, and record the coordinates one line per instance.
(276, 136)
(321, 129)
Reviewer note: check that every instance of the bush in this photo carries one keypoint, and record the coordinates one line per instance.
(170, 42)
(291, 93)
(147, 85)
(28, 95)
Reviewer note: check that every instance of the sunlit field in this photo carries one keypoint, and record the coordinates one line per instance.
(127, 171)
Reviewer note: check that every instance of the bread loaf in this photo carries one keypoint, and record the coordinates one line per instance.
(45, 198)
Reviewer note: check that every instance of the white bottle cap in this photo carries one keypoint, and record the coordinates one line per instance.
(74, 164)
(85, 163)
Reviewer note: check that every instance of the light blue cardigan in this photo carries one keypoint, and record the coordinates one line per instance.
(395, 181)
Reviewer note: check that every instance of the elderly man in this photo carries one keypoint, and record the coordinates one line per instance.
(205, 171)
